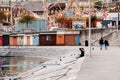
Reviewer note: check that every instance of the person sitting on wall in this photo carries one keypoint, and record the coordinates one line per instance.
(82, 54)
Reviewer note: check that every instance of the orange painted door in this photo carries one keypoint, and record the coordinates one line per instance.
(60, 39)
(11, 41)
(28, 40)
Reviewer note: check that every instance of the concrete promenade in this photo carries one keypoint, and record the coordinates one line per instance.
(104, 65)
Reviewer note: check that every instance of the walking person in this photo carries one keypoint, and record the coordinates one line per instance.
(106, 44)
(101, 43)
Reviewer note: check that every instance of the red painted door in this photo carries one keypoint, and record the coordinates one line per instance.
(70, 40)
(0, 40)
(15, 40)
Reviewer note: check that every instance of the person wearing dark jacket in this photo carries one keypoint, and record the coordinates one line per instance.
(101, 43)
(82, 52)
(106, 44)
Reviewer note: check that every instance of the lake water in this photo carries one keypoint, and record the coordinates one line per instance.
(14, 65)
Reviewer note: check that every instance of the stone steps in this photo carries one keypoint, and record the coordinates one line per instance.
(65, 71)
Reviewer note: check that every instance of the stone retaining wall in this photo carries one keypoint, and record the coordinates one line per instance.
(96, 34)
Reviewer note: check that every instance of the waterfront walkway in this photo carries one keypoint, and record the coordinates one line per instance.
(104, 65)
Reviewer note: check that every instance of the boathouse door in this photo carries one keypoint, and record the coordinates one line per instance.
(35, 39)
(70, 40)
(5, 40)
(13, 40)
(28, 40)
(77, 39)
(0, 40)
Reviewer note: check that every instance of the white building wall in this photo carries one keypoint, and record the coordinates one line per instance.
(31, 40)
(25, 39)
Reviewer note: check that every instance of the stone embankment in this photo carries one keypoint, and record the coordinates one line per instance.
(62, 63)
(35, 51)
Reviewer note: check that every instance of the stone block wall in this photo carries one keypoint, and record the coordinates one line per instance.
(96, 34)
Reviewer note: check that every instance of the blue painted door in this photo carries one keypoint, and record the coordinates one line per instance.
(35, 40)
(77, 39)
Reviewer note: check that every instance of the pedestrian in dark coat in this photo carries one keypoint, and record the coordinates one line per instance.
(101, 42)
(106, 44)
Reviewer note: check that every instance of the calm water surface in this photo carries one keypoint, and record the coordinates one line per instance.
(20, 63)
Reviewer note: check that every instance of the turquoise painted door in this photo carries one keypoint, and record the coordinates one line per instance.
(77, 39)
(35, 40)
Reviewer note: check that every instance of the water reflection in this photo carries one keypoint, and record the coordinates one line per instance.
(18, 64)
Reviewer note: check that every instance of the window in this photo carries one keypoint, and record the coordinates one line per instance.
(48, 38)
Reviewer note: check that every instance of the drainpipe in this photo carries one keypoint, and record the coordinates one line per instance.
(118, 28)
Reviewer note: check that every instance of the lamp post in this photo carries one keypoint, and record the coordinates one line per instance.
(11, 21)
(118, 21)
(118, 15)
(90, 28)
